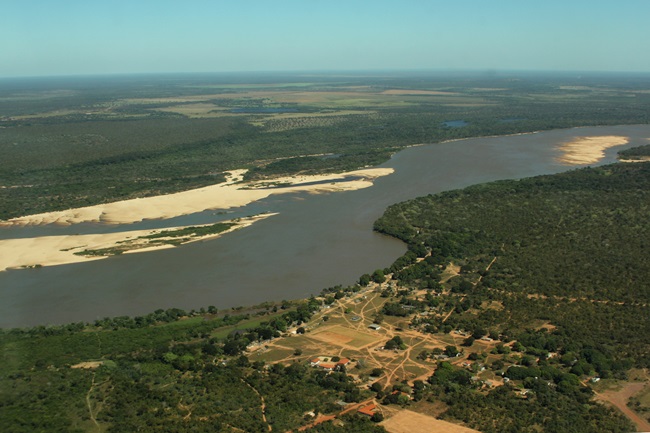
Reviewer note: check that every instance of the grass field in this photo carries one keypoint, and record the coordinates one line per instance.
(271, 356)
(339, 335)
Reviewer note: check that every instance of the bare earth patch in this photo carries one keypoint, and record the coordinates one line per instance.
(637, 159)
(198, 110)
(88, 365)
(220, 196)
(450, 272)
(412, 422)
(619, 398)
(333, 337)
(588, 150)
(339, 336)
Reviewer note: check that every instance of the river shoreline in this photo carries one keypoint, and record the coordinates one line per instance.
(36, 252)
(315, 240)
(31, 253)
(230, 194)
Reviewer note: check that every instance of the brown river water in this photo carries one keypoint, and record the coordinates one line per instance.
(316, 241)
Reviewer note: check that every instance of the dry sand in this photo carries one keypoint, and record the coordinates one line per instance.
(407, 421)
(57, 250)
(88, 365)
(60, 250)
(588, 150)
(221, 196)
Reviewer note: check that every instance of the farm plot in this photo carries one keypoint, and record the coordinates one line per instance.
(407, 421)
(340, 336)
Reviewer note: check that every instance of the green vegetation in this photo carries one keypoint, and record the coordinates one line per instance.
(162, 372)
(164, 237)
(188, 232)
(635, 153)
(531, 341)
(569, 248)
(566, 250)
(552, 289)
(77, 143)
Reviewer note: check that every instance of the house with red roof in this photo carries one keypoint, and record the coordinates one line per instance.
(328, 363)
(368, 410)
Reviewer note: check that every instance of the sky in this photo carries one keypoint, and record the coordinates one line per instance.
(82, 37)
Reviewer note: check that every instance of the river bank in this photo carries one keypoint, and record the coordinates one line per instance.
(36, 252)
(231, 194)
(61, 250)
(315, 240)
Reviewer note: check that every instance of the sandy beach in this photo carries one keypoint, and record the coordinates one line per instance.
(58, 250)
(588, 150)
(225, 195)
(55, 250)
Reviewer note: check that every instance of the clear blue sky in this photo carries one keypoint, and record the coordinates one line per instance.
(70, 37)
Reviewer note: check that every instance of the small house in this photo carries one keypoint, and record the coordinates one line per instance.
(327, 363)
(368, 410)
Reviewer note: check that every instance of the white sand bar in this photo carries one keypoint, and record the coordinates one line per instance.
(588, 150)
(60, 250)
(220, 196)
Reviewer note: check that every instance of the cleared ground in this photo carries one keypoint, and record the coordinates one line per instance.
(406, 421)
(338, 335)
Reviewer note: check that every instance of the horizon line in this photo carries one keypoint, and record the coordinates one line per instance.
(374, 71)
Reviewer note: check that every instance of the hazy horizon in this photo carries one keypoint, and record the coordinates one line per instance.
(74, 37)
(352, 73)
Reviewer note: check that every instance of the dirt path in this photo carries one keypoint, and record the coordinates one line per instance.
(188, 408)
(262, 404)
(363, 313)
(325, 418)
(475, 284)
(343, 315)
(89, 405)
(619, 400)
(406, 358)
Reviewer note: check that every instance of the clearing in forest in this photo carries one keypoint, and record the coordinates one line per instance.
(342, 336)
(406, 421)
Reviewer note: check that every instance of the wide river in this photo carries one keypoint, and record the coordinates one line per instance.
(316, 241)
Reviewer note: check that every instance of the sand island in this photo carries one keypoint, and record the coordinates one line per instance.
(57, 250)
(588, 150)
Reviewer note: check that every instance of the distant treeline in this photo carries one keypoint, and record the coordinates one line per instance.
(59, 162)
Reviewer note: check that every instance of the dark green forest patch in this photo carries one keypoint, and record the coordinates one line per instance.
(571, 249)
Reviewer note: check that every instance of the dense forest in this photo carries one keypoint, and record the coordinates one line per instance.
(636, 153)
(561, 245)
(567, 250)
(164, 372)
(553, 268)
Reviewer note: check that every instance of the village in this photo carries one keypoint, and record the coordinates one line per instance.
(394, 357)
(384, 354)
